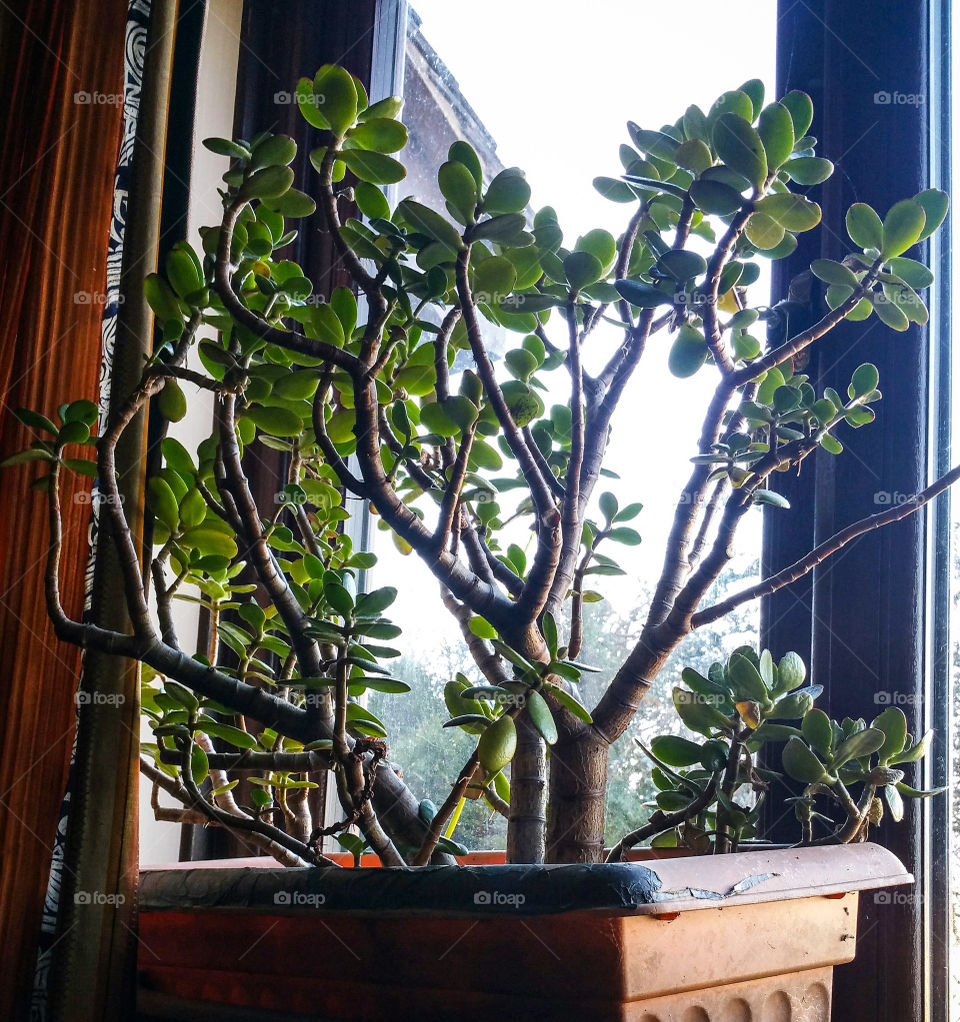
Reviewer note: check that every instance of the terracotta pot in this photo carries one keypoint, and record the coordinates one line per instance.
(752, 937)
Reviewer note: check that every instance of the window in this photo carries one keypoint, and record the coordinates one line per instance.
(560, 113)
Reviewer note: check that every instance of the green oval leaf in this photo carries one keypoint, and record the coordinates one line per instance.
(764, 232)
(893, 723)
(864, 381)
(275, 151)
(688, 352)
(233, 735)
(808, 170)
(335, 96)
(274, 420)
(581, 269)
(739, 146)
(163, 503)
(775, 129)
(209, 541)
(379, 134)
(831, 272)
(641, 294)
(267, 183)
(292, 203)
(800, 106)
(541, 717)
(715, 197)
(508, 192)
(864, 226)
(497, 744)
(818, 731)
(935, 205)
(801, 763)
(902, 227)
(459, 188)
(863, 743)
(371, 201)
(676, 751)
(377, 168)
(794, 212)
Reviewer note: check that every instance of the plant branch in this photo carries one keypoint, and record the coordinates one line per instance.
(826, 549)
(443, 814)
(287, 339)
(660, 821)
(539, 489)
(245, 822)
(805, 338)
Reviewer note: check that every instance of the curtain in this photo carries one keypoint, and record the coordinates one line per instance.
(62, 79)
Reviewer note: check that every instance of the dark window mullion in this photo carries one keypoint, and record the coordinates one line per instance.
(936, 888)
(866, 628)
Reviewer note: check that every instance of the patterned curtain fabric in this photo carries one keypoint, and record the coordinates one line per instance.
(70, 108)
(138, 18)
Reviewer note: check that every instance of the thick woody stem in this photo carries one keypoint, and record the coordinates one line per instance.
(351, 784)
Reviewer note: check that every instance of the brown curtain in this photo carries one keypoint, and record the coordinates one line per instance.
(56, 195)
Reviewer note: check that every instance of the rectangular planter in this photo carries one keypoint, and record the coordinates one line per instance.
(751, 937)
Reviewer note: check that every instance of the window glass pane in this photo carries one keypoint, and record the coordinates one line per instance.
(950, 746)
(542, 86)
(160, 841)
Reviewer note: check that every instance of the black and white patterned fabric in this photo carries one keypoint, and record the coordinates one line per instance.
(138, 18)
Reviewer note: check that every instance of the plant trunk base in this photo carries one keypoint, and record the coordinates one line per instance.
(578, 782)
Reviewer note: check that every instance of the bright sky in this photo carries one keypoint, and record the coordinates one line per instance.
(555, 88)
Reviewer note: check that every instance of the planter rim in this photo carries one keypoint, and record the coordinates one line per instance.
(627, 888)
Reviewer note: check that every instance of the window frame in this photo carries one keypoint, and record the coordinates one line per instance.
(811, 54)
(901, 971)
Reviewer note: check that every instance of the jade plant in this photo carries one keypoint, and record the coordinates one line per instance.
(713, 795)
(477, 472)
